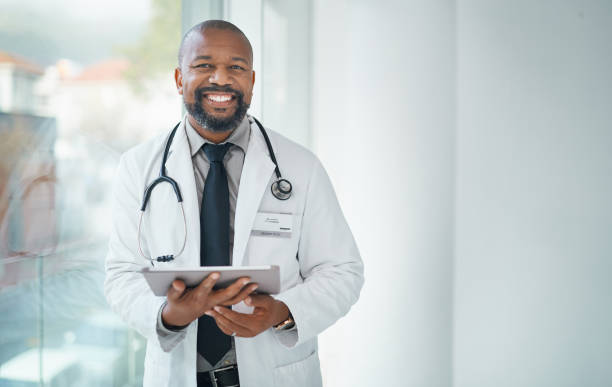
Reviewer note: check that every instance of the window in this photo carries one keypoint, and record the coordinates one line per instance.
(77, 88)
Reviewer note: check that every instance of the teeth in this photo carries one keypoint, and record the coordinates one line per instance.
(220, 98)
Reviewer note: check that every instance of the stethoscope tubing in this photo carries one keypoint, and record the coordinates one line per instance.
(276, 188)
(172, 256)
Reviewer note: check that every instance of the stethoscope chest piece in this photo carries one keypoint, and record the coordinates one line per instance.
(281, 189)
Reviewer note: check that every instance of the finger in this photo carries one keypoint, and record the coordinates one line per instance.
(229, 292)
(240, 296)
(206, 286)
(176, 290)
(227, 325)
(240, 332)
(228, 331)
(258, 300)
(240, 319)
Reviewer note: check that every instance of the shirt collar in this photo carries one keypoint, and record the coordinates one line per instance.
(239, 137)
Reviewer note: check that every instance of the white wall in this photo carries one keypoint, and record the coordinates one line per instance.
(383, 117)
(533, 268)
(528, 291)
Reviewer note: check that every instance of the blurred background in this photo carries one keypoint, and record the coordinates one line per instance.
(469, 142)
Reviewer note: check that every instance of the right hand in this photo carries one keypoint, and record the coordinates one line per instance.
(185, 305)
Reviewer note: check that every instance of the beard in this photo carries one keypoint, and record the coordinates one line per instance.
(209, 121)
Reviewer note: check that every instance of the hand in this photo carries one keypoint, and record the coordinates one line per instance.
(185, 305)
(267, 313)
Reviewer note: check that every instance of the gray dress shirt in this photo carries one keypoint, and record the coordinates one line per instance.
(233, 162)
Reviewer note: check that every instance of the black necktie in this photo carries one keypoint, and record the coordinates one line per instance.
(214, 245)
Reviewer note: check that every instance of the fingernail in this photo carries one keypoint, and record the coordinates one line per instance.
(255, 287)
(214, 276)
(247, 300)
(244, 282)
(217, 308)
(208, 313)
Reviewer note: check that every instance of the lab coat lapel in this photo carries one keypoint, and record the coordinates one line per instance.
(255, 177)
(180, 168)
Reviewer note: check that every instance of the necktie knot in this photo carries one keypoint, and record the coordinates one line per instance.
(215, 153)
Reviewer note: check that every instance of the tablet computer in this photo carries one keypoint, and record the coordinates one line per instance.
(266, 277)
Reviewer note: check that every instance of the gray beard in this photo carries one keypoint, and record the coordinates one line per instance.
(211, 122)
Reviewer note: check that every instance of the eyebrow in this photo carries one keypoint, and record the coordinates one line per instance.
(239, 59)
(208, 57)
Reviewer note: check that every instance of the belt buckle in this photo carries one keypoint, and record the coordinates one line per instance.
(213, 376)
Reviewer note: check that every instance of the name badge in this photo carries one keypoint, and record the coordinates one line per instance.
(273, 225)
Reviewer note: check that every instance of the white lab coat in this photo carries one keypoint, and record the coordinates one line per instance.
(321, 270)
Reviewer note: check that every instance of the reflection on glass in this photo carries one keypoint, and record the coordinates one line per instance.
(72, 98)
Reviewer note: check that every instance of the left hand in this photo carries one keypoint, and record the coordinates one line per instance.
(267, 313)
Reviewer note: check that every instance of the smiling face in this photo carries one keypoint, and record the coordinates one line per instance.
(215, 78)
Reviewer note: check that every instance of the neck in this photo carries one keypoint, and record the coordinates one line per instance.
(214, 137)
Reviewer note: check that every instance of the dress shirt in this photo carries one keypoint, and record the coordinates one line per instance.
(233, 162)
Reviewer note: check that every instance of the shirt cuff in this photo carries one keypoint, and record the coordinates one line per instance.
(164, 330)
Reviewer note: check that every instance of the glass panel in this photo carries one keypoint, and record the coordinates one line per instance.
(77, 88)
(280, 33)
(20, 332)
(286, 68)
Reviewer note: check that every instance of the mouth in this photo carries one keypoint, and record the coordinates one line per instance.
(220, 100)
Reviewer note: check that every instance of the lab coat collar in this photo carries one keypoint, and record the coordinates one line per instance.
(255, 177)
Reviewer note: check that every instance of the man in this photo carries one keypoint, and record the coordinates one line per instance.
(220, 161)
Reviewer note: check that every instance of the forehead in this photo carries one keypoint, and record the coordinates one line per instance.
(218, 44)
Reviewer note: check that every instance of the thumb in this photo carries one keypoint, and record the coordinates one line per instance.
(176, 290)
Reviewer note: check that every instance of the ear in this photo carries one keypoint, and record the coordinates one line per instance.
(253, 81)
(178, 79)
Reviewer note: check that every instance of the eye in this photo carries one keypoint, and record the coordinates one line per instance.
(236, 67)
(203, 66)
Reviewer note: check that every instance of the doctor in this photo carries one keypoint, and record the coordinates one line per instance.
(225, 169)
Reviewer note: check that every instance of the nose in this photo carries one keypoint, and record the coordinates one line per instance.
(220, 77)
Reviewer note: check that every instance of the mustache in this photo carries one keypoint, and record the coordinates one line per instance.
(200, 91)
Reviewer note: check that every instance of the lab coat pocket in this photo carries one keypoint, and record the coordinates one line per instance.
(273, 224)
(263, 250)
(273, 239)
(302, 373)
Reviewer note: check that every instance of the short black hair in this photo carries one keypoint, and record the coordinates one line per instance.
(215, 24)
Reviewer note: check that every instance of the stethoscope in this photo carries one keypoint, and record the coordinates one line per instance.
(281, 189)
